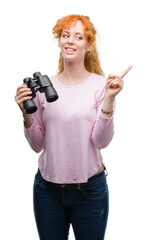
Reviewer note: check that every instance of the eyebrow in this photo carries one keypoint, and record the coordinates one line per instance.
(75, 33)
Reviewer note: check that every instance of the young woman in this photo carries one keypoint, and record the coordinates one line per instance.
(70, 185)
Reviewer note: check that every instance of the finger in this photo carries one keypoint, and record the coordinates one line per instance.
(111, 75)
(24, 94)
(115, 86)
(21, 86)
(125, 72)
(117, 78)
(23, 90)
(116, 83)
(21, 100)
(21, 94)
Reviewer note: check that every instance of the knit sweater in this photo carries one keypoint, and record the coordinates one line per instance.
(70, 132)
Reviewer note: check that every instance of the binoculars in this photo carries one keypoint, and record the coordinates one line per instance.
(43, 84)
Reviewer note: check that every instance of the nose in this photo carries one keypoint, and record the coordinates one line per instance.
(70, 40)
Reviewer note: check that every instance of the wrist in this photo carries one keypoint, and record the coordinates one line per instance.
(106, 112)
(108, 103)
(108, 98)
(107, 109)
(28, 120)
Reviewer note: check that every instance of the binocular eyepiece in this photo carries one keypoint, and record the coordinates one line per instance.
(43, 84)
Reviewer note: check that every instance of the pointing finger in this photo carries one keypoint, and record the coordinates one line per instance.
(125, 72)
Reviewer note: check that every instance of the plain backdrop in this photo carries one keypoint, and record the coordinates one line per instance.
(27, 45)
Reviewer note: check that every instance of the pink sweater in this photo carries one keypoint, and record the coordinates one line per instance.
(70, 132)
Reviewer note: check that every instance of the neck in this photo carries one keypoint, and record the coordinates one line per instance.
(74, 71)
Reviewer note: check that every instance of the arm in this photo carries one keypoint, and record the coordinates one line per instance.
(34, 128)
(103, 128)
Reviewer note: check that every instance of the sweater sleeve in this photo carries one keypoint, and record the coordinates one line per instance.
(103, 128)
(35, 134)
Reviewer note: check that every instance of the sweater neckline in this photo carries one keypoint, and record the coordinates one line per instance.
(73, 86)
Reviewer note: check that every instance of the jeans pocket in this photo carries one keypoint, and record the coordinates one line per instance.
(39, 182)
(96, 189)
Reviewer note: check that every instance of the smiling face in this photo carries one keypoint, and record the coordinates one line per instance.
(73, 43)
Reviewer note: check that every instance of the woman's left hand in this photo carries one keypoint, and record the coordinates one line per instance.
(114, 83)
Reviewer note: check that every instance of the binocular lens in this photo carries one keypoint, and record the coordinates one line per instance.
(30, 106)
(51, 94)
(52, 98)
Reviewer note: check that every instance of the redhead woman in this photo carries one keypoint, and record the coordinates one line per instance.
(70, 186)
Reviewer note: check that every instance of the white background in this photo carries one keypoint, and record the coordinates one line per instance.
(27, 45)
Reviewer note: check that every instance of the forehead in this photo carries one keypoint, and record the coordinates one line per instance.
(75, 27)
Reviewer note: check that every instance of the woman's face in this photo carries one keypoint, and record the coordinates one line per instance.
(73, 43)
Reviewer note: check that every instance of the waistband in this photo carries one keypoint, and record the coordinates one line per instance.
(98, 177)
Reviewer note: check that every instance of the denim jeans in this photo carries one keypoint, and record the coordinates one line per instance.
(56, 206)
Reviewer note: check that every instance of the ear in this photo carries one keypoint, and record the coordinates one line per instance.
(89, 48)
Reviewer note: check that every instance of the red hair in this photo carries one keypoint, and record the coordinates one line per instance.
(91, 62)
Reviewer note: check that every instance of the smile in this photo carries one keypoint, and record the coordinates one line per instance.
(70, 49)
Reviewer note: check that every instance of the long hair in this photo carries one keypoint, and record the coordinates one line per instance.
(91, 61)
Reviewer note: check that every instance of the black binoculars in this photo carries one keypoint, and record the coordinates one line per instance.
(43, 84)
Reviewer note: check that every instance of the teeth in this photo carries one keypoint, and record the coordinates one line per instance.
(70, 50)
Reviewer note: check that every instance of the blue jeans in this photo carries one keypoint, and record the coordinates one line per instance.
(56, 206)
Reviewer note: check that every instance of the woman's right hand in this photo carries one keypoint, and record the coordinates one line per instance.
(22, 94)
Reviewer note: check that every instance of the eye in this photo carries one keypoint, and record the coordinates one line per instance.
(65, 35)
(79, 37)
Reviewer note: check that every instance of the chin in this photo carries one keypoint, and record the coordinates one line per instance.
(70, 59)
(73, 58)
